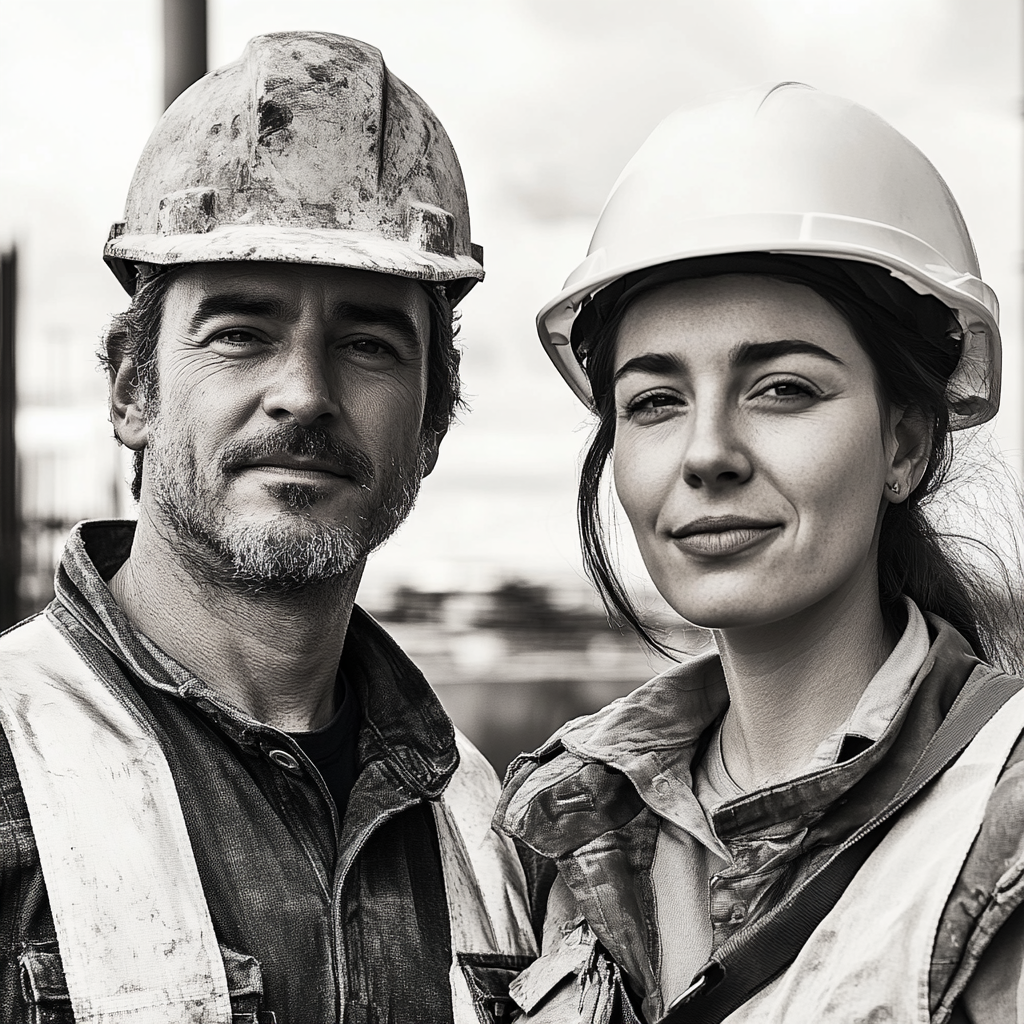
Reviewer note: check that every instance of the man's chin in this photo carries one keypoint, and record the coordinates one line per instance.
(283, 554)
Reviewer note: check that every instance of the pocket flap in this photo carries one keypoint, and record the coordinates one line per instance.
(243, 973)
(42, 976)
(537, 982)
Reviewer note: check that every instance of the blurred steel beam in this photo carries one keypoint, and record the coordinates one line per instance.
(10, 535)
(184, 46)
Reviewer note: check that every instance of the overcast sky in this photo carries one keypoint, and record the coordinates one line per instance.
(545, 100)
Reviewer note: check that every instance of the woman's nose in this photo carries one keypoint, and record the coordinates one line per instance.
(301, 386)
(714, 454)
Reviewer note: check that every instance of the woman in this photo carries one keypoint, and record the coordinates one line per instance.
(779, 323)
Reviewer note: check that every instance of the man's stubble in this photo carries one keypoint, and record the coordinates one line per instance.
(286, 550)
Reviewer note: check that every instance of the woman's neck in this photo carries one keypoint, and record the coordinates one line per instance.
(793, 682)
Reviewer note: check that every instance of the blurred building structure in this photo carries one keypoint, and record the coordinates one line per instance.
(514, 663)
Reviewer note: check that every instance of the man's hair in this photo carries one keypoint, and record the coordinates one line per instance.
(133, 335)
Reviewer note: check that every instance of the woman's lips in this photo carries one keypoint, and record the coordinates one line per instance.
(722, 536)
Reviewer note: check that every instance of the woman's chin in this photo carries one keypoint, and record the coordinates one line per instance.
(730, 613)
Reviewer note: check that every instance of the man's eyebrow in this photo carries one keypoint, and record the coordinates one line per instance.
(371, 315)
(751, 352)
(239, 304)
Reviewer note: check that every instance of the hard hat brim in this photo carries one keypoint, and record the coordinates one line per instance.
(970, 299)
(318, 247)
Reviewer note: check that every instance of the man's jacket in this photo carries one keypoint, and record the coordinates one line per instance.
(314, 919)
(946, 880)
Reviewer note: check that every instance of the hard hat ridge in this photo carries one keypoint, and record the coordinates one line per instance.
(308, 150)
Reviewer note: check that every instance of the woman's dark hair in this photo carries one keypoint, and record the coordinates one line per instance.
(913, 342)
(133, 335)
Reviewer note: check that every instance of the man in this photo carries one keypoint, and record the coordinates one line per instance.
(227, 795)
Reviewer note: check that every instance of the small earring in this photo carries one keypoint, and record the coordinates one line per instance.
(895, 487)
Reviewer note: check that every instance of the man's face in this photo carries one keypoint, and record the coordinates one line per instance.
(286, 441)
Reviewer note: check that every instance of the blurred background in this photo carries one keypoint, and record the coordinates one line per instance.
(545, 101)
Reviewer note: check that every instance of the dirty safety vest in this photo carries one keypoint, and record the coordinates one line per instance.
(870, 958)
(137, 944)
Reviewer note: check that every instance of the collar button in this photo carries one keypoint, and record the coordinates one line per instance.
(284, 760)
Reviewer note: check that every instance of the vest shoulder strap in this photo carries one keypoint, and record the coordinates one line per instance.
(138, 945)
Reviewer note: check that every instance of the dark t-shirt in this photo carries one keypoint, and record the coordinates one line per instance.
(333, 749)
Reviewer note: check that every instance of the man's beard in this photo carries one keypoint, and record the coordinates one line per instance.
(290, 549)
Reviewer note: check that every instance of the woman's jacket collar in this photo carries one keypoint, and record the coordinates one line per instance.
(582, 782)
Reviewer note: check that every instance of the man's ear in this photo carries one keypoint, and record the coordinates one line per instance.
(127, 408)
(912, 434)
(430, 448)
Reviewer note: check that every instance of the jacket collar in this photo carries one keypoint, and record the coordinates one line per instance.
(403, 721)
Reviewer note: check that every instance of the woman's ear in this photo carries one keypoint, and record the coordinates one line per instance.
(127, 406)
(912, 443)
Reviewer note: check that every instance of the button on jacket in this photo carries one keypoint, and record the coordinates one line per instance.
(318, 920)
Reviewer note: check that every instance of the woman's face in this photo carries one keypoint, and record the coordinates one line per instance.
(750, 453)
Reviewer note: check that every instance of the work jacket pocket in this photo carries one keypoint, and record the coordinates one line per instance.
(576, 983)
(44, 989)
(488, 976)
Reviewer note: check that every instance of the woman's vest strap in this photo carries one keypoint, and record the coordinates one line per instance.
(132, 923)
(752, 958)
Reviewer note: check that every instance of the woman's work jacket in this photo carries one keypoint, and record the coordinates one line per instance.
(919, 934)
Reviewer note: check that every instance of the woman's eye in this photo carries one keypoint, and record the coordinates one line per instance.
(647, 408)
(787, 390)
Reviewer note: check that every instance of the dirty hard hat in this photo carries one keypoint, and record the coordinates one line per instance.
(305, 150)
(786, 169)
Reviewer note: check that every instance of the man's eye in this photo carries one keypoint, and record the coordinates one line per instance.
(369, 346)
(236, 339)
(372, 349)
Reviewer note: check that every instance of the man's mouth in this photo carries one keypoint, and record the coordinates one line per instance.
(299, 453)
(296, 466)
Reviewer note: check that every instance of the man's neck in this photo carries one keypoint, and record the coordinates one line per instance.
(275, 655)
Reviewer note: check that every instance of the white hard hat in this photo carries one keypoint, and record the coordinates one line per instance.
(787, 169)
(307, 149)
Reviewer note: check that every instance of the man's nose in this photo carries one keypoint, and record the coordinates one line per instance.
(714, 453)
(301, 386)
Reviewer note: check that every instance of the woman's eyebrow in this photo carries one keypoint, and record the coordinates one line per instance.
(650, 362)
(751, 352)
